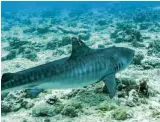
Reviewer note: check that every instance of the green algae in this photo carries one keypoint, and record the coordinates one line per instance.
(120, 114)
(105, 106)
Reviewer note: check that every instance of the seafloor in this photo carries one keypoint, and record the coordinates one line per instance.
(30, 39)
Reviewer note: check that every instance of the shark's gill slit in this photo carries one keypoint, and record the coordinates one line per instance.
(122, 64)
(119, 66)
(115, 68)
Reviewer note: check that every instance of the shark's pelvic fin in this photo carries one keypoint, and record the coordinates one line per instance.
(79, 48)
(33, 92)
(110, 83)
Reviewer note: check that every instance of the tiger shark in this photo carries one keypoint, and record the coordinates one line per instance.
(83, 67)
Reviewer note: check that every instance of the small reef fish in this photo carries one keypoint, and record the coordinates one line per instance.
(83, 67)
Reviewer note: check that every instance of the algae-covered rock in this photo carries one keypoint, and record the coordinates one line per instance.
(5, 107)
(11, 55)
(16, 43)
(126, 33)
(84, 36)
(88, 96)
(51, 45)
(102, 22)
(43, 110)
(69, 111)
(14, 101)
(42, 29)
(144, 26)
(120, 114)
(105, 106)
(6, 27)
(27, 104)
(72, 94)
(73, 24)
(68, 30)
(29, 30)
(65, 41)
(135, 43)
(124, 26)
(59, 52)
(15, 107)
(72, 109)
(138, 58)
(150, 62)
(156, 113)
(76, 104)
(53, 100)
(47, 120)
(126, 83)
(15, 96)
(30, 54)
(154, 48)
(53, 29)
(25, 20)
(37, 46)
(133, 99)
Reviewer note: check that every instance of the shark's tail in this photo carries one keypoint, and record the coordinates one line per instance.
(6, 79)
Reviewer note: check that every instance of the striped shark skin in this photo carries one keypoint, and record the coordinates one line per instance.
(83, 67)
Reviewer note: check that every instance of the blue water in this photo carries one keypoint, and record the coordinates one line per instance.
(10, 9)
(32, 6)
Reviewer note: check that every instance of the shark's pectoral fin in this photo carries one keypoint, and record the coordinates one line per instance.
(110, 83)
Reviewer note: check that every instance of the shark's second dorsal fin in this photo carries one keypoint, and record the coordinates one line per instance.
(79, 48)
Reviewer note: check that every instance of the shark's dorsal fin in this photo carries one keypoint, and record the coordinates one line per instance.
(79, 48)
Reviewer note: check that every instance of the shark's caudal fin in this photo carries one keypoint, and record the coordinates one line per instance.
(6, 80)
(6, 77)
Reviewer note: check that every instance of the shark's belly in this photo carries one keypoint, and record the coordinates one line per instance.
(65, 83)
(76, 79)
(79, 75)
